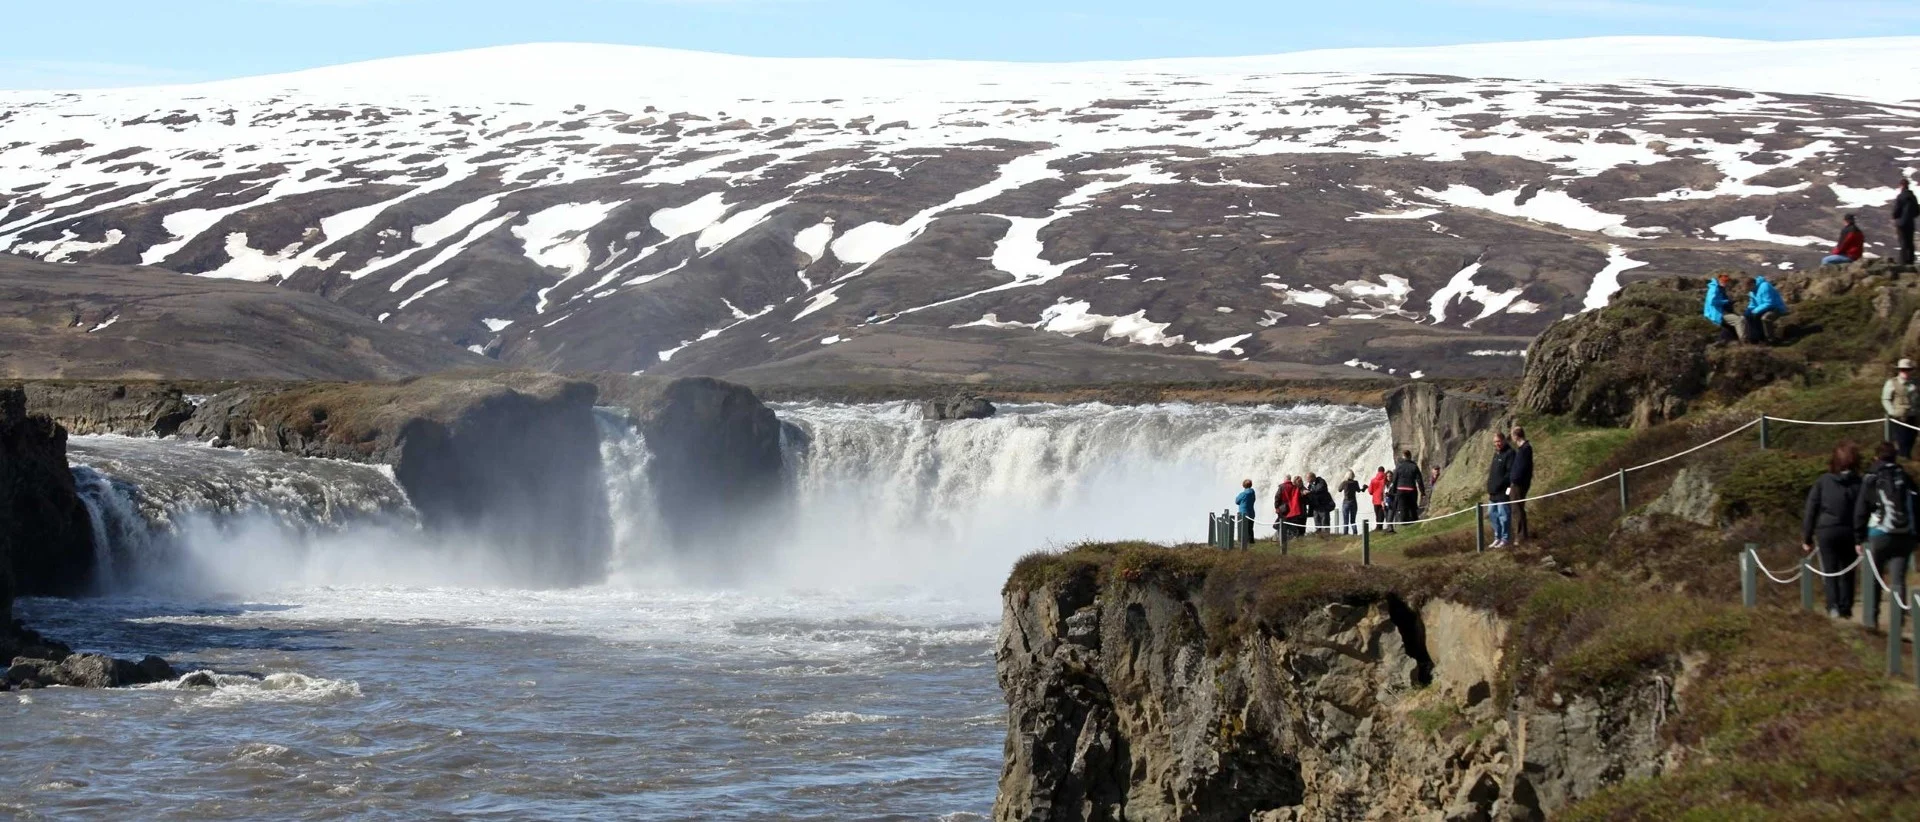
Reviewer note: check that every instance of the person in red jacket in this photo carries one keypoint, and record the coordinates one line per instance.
(1284, 499)
(1852, 245)
(1377, 487)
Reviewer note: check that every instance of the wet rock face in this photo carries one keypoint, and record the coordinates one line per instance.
(716, 451)
(46, 538)
(958, 407)
(1118, 709)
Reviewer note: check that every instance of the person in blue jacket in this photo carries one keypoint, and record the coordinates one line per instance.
(1764, 305)
(1720, 305)
(1245, 504)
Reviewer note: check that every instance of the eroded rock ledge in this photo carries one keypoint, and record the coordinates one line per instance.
(1141, 699)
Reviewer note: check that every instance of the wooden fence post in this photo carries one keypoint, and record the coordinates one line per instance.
(1366, 543)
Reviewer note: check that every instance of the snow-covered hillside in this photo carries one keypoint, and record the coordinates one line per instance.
(622, 208)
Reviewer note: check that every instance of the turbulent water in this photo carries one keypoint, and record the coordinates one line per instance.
(369, 669)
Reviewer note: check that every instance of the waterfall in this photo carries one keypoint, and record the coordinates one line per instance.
(876, 496)
(882, 496)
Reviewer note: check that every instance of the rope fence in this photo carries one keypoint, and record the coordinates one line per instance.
(1228, 530)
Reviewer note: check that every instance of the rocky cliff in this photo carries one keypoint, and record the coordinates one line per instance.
(1434, 422)
(46, 541)
(1139, 689)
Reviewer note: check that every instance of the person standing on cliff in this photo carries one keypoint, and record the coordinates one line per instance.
(1900, 397)
(1283, 507)
(1320, 504)
(1377, 487)
(1408, 488)
(1906, 211)
(1828, 525)
(1520, 483)
(1499, 485)
(1244, 503)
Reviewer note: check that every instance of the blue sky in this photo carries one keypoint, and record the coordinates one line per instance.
(127, 42)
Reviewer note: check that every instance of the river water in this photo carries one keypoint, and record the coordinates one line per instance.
(365, 669)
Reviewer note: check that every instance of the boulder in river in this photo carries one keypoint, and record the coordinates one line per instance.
(964, 406)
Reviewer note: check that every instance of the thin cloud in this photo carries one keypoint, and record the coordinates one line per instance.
(78, 74)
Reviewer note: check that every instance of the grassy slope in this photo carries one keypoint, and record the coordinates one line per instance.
(1790, 715)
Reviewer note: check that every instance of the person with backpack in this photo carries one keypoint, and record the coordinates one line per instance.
(1350, 506)
(1900, 398)
(1883, 520)
(1408, 487)
(1828, 525)
(1283, 502)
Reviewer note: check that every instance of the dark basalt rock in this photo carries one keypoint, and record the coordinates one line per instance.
(46, 539)
(958, 407)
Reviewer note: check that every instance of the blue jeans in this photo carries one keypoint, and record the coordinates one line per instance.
(1835, 259)
(1502, 522)
(1349, 518)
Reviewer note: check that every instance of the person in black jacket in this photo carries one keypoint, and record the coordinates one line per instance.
(1906, 210)
(1828, 525)
(1883, 520)
(1322, 504)
(1408, 487)
(1520, 483)
(1499, 484)
(1350, 505)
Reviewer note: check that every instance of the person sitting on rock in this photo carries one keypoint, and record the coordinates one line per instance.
(1852, 245)
(1764, 305)
(1719, 306)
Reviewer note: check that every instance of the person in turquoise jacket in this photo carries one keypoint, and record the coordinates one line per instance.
(1764, 305)
(1719, 305)
(1244, 527)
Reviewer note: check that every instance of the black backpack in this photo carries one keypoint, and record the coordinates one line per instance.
(1896, 500)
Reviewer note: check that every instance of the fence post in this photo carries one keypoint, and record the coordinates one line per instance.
(1915, 601)
(1286, 534)
(1232, 534)
(1212, 534)
(1893, 637)
(1886, 430)
(1748, 594)
(1806, 582)
(1480, 526)
(1869, 592)
(1763, 432)
(1366, 543)
(1623, 491)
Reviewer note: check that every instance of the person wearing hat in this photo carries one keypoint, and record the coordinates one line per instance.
(1901, 399)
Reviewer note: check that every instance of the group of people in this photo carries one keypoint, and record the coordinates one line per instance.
(1853, 242)
(1850, 512)
(1308, 504)
(1764, 305)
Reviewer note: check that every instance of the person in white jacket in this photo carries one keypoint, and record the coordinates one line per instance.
(1900, 397)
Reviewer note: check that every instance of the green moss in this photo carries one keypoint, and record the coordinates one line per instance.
(1769, 484)
(1441, 715)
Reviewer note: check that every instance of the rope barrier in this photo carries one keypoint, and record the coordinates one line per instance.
(1817, 422)
(1715, 441)
(1903, 424)
(1867, 554)
(1819, 573)
(1763, 569)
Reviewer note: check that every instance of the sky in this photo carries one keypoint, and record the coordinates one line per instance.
(143, 42)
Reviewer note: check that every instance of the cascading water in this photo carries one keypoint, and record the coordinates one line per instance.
(883, 496)
(847, 673)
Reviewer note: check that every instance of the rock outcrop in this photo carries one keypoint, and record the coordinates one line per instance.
(1130, 701)
(132, 409)
(46, 539)
(513, 459)
(1434, 422)
(716, 451)
(958, 407)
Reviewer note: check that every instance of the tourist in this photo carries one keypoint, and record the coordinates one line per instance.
(1407, 489)
(1828, 525)
(1310, 499)
(1900, 397)
(1764, 305)
(1520, 483)
(1322, 501)
(1377, 487)
(1852, 245)
(1283, 506)
(1350, 505)
(1719, 305)
(1297, 507)
(1244, 503)
(1499, 483)
(1883, 521)
(1906, 210)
